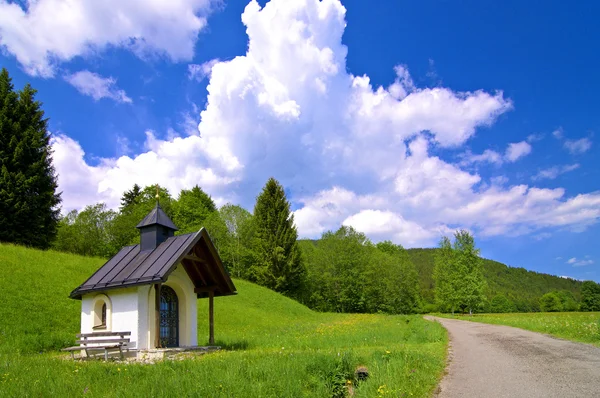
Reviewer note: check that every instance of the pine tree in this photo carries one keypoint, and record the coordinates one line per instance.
(279, 266)
(131, 197)
(29, 204)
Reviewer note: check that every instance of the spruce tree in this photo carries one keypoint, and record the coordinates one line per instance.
(29, 203)
(279, 264)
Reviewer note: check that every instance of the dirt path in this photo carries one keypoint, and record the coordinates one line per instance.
(501, 361)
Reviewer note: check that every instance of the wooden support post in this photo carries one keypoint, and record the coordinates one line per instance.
(211, 318)
(157, 315)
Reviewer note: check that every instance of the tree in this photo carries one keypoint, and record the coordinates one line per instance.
(131, 197)
(279, 264)
(86, 233)
(550, 302)
(470, 268)
(29, 203)
(400, 279)
(458, 274)
(192, 208)
(446, 277)
(237, 252)
(501, 304)
(567, 301)
(590, 296)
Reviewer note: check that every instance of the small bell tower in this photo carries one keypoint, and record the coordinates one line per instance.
(156, 227)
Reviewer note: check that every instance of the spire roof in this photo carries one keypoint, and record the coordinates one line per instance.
(157, 217)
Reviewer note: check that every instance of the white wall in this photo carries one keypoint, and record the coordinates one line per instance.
(123, 317)
(133, 310)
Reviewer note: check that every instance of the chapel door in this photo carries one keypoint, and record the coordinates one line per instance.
(169, 317)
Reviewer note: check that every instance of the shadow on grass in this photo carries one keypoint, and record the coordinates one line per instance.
(233, 345)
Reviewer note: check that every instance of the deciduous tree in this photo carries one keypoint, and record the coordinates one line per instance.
(458, 273)
(590, 296)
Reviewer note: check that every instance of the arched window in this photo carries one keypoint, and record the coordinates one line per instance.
(100, 315)
(103, 317)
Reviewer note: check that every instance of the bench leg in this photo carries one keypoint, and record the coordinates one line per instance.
(105, 354)
(87, 354)
(121, 352)
(73, 355)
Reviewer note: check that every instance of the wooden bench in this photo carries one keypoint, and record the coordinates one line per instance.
(109, 341)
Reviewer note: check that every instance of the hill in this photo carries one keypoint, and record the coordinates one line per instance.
(523, 287)
(273, 346)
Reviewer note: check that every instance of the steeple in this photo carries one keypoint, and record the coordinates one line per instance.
(155, 228)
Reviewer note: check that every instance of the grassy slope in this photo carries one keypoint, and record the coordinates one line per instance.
(513, 282)
(275, 347)
(577, 326)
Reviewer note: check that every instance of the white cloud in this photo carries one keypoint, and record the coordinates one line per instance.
(517, 150)
(575, 262)
(96, 86)
(177, 164)
(346, 151)
(577, 147)
(199, 72)
(553, 172)
(514, 151)
(558, 133)
(45, 33)
(534, 137)
(488, 156)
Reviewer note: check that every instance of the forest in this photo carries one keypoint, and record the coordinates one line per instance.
(343, 271)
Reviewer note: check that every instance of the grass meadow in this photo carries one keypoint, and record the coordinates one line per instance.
(272, 346)
(583, 327)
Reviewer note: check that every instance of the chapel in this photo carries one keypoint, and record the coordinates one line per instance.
(151, 289)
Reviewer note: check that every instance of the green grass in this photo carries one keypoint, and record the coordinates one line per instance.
(583, 327)
(273, 346)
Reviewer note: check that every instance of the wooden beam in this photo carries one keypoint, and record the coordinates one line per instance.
(196, 269)
(195, 258)
(157, 315)
(204, 289)
(206, 267)
(211, 318)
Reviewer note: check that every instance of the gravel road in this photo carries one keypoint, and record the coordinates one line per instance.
(501, 361)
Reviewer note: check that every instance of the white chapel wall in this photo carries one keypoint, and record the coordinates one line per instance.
(121, 314)
(183, 286)
(133, 310)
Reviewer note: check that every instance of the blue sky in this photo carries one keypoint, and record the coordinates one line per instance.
(406, 120)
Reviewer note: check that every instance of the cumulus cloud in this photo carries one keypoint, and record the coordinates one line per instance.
(176, 164)
(553, 172)
(348, 152)
(96, 86)
(517, 150)
(43, 33)
(577, 147)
